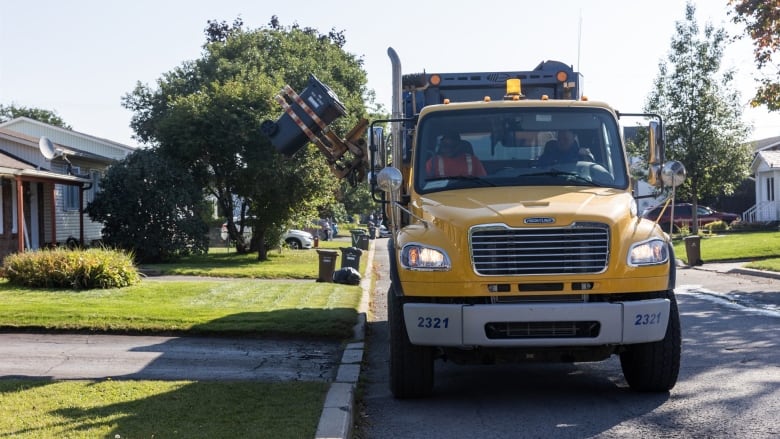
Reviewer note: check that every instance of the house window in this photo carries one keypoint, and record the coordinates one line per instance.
(770, 189)
(71, 197)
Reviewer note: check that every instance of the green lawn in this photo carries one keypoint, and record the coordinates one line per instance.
(281, 264)
(38, 409)
(762, 248)
(237, 307)
(279, 297)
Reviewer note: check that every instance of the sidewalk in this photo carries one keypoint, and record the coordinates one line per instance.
(736, 267)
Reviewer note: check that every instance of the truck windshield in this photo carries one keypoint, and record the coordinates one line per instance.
(518, 147)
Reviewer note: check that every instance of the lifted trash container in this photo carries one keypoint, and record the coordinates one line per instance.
(286, 135)
(356, 236)
(350, 257)
(693, 250)
(327, 264)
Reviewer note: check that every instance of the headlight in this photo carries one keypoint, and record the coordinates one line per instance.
(419, 257)
(651, 252)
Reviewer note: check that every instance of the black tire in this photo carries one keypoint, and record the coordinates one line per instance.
(653, 367)
(294, 243)
(411, 366)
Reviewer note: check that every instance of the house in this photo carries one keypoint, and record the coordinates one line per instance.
(766, 169)
(43, 200)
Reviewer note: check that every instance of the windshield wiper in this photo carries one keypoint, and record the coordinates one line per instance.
(462, 178)
(558, 173)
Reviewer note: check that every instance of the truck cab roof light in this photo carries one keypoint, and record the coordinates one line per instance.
(514, 90)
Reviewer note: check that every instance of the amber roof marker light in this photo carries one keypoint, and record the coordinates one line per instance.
(514, 90)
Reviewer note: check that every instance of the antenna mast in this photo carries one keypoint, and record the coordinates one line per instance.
(579, 41)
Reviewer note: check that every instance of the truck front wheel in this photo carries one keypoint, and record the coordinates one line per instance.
(411, 366)
(653, 367)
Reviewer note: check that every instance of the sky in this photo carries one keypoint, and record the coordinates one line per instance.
(80, 57)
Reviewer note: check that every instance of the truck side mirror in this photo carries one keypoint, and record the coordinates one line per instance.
(673, 174)
(377, 147)
(657, 156)
(389, 180)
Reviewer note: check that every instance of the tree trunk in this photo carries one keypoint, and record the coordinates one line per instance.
(262, 252)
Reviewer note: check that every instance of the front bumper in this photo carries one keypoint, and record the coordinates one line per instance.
(537, 325)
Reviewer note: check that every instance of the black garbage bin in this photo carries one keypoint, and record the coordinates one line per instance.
(693, 250)
(355, 236)
(350, 257)
(285, 133)
(327, 264)
(371, 231)
(363, 241)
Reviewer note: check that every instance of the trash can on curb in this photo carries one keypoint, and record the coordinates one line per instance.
(350, 257)
(327, 264)
(355, 236)
(693, 250)
(363, 241)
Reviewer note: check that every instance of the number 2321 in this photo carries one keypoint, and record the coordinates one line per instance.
(433, 322)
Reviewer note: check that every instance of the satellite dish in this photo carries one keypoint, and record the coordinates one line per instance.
(47, 148)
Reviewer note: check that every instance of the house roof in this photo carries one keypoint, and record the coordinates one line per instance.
(768, 143)
(33, 141)
(770, 157)
(10, 123)
(13, 166)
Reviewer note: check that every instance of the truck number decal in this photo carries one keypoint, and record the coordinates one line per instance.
(647, 319)
(433, 322)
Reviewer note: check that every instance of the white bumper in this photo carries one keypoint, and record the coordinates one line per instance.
(633, 322)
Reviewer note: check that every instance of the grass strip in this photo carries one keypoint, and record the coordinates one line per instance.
(302, 309)
(159, 409)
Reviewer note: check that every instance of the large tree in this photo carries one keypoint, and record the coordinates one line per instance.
(761, 19)
(701, 110)
(8, 112)
(150, 207)
(206, 114)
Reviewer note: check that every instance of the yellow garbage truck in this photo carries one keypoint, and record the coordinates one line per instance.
(514, 231)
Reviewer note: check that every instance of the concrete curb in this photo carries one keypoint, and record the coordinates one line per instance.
(736, 268)
(337, 414)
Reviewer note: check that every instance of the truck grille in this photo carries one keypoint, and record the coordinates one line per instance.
(582, 248)
(525, 330)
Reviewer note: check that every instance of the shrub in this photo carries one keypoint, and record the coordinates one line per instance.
(77, 269)
(715, 226)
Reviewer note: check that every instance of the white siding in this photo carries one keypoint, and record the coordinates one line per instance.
(102, 147)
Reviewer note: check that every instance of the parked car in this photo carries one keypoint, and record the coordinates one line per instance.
(683, 215)
(298, 239)
(383, 232)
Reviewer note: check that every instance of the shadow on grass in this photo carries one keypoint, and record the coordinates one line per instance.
(180, 409)
(192, 386)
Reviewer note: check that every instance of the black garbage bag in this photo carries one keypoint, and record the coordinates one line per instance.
(346, 275)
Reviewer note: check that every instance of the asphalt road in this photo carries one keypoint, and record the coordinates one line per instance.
(729, 383)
